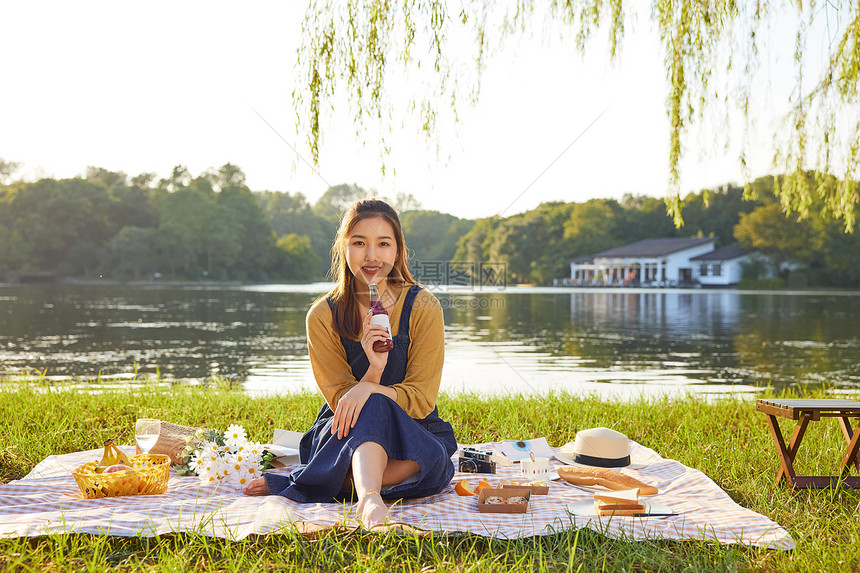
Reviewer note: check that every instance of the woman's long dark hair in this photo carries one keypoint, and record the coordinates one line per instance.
(346, 317)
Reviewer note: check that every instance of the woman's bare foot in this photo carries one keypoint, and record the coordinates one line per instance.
(257, 487)
(371, 510)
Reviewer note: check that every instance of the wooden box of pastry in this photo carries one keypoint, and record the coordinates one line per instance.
(504, 500)
(537, 487)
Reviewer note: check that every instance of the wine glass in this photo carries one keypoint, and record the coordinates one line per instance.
(146, 432)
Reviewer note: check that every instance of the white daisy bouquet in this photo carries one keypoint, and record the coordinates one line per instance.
(227, 458)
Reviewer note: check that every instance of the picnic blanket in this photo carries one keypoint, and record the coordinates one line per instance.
(47, 501)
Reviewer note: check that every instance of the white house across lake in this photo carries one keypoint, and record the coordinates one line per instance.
(661, 262)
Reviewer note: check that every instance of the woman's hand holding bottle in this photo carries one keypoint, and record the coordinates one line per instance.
(373, 333)
(350, 405)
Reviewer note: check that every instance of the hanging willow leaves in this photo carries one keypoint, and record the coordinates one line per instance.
(711, 52)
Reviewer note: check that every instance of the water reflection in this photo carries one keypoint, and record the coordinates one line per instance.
(719, 340)
(609, 341)
(181, 333)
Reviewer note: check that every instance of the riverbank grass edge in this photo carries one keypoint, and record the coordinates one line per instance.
(723, 437)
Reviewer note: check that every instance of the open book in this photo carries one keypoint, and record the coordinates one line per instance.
(285, 447)
(512, 451)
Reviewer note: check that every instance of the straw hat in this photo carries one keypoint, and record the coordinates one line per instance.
(601, 448)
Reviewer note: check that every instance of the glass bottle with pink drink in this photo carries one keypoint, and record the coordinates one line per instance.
(380, 317)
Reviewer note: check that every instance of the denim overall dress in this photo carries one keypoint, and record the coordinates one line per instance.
(326, 459)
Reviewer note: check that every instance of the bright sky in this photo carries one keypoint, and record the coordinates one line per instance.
(143, 87)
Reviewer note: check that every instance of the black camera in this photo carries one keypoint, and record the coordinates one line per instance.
(477, 462)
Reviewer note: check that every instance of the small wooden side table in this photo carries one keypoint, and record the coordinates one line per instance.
(805, 411)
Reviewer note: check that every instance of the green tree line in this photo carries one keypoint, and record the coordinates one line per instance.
(212, 226)
(536, 246)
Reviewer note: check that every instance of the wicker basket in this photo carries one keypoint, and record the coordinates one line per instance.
(149, 475)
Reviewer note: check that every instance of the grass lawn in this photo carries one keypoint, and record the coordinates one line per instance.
(726, 439)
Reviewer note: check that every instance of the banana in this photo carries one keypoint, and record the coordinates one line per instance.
(112, 455)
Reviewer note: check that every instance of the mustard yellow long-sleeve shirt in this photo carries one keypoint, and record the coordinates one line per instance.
(417, 393)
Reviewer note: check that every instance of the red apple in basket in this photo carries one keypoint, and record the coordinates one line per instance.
(117, 468)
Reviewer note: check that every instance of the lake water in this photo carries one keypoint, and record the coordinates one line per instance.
(611, 342)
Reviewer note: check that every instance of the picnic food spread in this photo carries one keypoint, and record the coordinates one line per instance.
(614, 496)
(598, 455)
(616, 493)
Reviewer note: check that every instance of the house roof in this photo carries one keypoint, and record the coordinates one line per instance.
(582, 259)
(645, 248)
(652, 248)
(723, 254)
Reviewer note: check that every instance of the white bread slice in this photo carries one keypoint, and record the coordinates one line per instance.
(624, 496)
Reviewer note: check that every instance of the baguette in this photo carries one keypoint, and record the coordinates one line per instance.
(609, 479)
